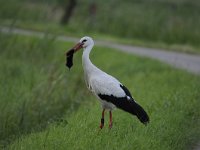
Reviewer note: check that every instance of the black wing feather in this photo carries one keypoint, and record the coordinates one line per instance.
(126, 91)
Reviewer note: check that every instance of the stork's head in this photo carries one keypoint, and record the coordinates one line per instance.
(86, 41)
(83, 43)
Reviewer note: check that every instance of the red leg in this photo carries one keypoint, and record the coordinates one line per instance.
(102, 119)
(110, 123)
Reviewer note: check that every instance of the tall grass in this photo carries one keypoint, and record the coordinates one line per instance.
(156, 20)
(170, 22)
(34, 85)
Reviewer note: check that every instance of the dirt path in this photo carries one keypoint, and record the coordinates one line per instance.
(189, 62)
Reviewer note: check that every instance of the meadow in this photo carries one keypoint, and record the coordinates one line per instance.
(169, 24)
(32, 93)
(45, 106)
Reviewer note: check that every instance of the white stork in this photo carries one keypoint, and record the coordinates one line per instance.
(106, 88)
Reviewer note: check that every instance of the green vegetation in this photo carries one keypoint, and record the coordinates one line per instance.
(166, 24)
(45, 106)
(40, 100)
(34, 85)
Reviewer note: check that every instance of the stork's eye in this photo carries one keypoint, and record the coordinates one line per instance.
(84, 41)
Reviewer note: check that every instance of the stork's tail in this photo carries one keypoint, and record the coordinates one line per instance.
(139, 112)
(127, 105)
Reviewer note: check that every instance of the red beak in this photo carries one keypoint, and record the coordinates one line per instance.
(74, 49)
(77, 46)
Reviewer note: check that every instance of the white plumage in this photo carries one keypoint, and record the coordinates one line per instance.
(106, 88)
(97, 80)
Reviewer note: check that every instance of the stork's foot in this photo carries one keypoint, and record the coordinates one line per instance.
(110, 125)
(102, 123)
(101, 126)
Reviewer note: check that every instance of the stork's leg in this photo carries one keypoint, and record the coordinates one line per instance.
(110, 123)
(102, 119)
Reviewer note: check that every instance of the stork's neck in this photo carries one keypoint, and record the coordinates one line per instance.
(88, 67)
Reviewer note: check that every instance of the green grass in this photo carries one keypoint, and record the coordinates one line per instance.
(37, 88)
(34, 87)
(156, 23)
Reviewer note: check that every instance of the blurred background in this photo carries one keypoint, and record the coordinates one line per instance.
(145, 22)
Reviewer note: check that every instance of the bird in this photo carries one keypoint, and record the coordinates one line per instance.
(110, 91)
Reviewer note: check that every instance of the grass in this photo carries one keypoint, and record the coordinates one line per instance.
(44, 106)
(156, 23)
(33, 87)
